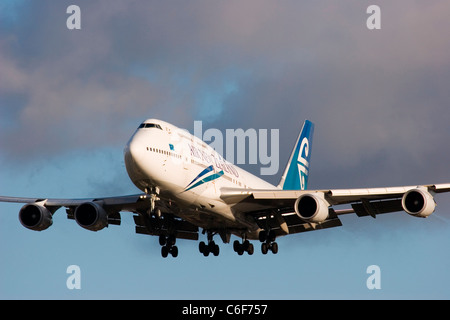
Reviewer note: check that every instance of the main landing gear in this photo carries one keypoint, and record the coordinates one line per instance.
(245, 246)
(267, 237)
(211, 247)
(168, 246)
(268, 241)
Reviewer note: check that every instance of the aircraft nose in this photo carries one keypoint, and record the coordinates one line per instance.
(132, 148)
(133, 153)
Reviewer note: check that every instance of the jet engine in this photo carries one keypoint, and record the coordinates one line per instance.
(91, 216)
(311, 208)
(35, 217)
(418, 203)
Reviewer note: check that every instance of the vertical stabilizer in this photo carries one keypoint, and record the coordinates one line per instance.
(295, 176)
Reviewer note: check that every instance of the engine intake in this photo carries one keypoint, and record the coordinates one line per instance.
(91, 216)
(35, 217)
(418, 203)
(311, 207)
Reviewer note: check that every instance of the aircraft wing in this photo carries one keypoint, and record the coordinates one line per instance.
(37, 214)
(292, 211)
(121, 201)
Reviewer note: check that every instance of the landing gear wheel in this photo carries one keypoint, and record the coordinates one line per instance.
(174, 251)
(201, 247)
(268, 241)
(250, 249)
(206, 249)
(164, 251)
(168, 246)
(264, 248)
(213, 248)
(245, 246)
(236, 245)
(216, 251)
(262, 236)
(274, 248)
(162, 240)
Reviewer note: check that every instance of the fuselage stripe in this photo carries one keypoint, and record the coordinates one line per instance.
(207, 179)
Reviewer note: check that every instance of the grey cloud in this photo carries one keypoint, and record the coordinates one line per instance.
(372, 94)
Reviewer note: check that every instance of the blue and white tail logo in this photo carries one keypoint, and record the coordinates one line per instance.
(295, 176)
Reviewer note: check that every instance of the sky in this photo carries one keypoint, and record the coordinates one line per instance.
(71, 99)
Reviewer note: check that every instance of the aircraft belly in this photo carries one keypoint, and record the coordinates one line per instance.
(217, 219)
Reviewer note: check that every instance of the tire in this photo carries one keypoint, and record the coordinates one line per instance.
(162, 240)
(262, 236)
(164, 251)
(236, 245)
(245, 245)
(211, 246)
(274, 248)
(216, 250)
(202, 247)
(264, 248)
(250, 249)
(174, 251)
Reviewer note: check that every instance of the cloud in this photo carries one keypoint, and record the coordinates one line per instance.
(372, 94)
(69, 100)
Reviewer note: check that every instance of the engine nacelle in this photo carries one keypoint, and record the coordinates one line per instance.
(418, 203)
(35, 217)
(311, 208)
(91, 216)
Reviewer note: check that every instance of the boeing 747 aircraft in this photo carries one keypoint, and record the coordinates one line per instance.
(188, 186)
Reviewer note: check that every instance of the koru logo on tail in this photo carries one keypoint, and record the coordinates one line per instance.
(302, 163)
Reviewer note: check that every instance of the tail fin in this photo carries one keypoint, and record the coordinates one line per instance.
(295, 176)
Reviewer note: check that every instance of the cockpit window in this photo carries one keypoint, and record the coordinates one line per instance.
(150, 125)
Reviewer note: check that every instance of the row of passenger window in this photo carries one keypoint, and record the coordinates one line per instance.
(168, 153)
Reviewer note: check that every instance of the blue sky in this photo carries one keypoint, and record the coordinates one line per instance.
(70, 100)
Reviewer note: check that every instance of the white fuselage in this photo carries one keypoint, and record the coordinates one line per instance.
(160, 156)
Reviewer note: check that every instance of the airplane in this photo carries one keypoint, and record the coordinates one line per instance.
(188, 186)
